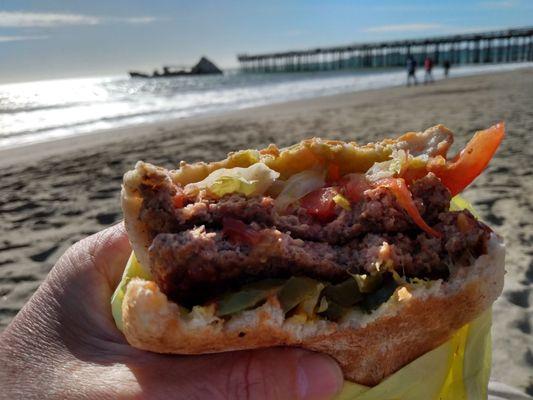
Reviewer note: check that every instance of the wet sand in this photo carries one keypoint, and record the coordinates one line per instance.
(57, 193)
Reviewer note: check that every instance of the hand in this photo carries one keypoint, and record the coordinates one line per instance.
(64, 344)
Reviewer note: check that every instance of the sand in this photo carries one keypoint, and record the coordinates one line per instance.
(55, 194)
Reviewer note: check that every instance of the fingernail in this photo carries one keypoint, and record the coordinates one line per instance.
(319, 377)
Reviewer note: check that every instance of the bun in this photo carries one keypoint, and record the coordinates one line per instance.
(368, 347)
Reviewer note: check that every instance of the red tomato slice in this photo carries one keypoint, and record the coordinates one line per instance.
(238, 231)
(320, 203)
(178, 200)
(334, 173)
(469, 163)
(400, 190)
(355, 186)
(413, 174)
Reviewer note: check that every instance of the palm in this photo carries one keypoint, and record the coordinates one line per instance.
(66, 335)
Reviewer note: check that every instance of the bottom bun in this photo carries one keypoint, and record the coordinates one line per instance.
(368, 347)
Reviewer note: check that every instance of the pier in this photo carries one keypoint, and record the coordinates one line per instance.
(511, 45)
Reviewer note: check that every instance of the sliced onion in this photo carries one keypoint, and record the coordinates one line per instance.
(389, 168)
(297, 186)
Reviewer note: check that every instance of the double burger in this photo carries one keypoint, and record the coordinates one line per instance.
(364, 252)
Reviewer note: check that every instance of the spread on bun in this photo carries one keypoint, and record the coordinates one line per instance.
(360, 252)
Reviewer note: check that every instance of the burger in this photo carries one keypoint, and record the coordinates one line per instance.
(364, 252)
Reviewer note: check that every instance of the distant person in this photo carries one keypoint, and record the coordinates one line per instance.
(446, 66)
(411, 70)
(428, 67)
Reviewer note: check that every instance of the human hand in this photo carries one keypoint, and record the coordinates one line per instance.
(64, 344)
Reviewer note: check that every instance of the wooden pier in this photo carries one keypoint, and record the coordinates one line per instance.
(511, 45)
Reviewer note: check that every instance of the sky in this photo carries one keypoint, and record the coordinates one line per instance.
(45, 39)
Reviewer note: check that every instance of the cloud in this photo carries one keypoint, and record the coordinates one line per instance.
(22, 19)
(403, 28)
(135, 20)
(21, 38)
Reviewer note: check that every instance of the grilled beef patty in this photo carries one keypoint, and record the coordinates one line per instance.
(193, 260)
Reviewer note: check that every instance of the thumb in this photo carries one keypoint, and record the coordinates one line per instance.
(275, 373)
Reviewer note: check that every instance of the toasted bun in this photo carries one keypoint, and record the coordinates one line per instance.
(368, 347)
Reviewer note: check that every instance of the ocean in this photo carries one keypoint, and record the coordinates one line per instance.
(40, 111)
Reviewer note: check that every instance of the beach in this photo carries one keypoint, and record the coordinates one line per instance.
(56, 193)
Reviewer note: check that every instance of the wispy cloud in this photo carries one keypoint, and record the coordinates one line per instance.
(21, 38)
(134, 20)
(500, 4)
(402, 28)
(22, 19)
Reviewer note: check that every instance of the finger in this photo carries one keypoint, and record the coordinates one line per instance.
(106, 253)
(276, 373)
(110, 250)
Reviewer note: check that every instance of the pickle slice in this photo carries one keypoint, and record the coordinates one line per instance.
(345, 294)
(296, 290)
(373, 300)
(334, 312)
(240, 301)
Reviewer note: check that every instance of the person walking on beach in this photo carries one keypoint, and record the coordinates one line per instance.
(446, 68)
(411, 70)
(428, 67)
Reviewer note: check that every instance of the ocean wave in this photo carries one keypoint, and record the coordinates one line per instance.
(46, 110)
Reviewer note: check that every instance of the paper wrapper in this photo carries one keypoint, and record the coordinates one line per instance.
(457, 370)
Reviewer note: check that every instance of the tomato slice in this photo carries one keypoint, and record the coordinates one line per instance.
(334, 173)
(400, 190)
(413, 174)
(320, 203)
(239, 232)
(355, 186)
(178, 200)
(470, 162)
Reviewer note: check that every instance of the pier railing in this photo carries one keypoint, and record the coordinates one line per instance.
(511, 45)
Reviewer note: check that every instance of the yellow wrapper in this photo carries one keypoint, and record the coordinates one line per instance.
(457, 370)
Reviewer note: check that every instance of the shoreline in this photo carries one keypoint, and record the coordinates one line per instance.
(32, 152)
(52, 197)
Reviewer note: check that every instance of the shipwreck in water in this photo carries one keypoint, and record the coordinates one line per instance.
(202, 67)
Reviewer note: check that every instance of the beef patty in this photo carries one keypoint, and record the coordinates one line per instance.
(192, 260)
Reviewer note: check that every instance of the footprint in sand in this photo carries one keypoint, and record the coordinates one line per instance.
(25, 206)
(11, 246)
(529, 274)
(524, 325)
(17, 279)
(529, 357)
(43, 255)
(519, 298)
(107, 218)
(108, 193)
